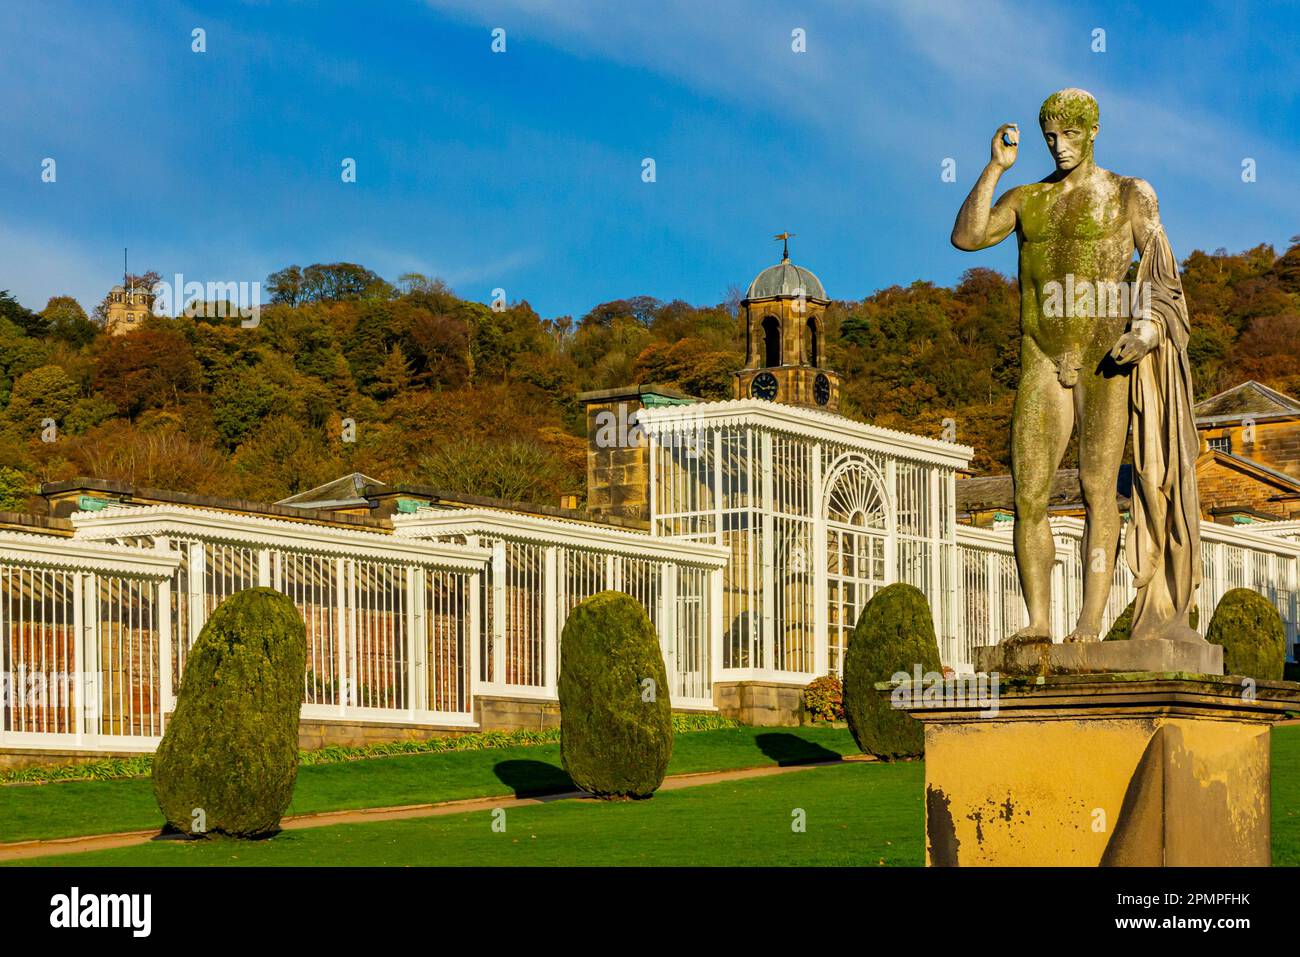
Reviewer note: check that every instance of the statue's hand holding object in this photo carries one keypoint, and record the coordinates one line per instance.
(1006, 142)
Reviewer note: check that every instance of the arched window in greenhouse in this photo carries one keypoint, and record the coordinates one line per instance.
(857, 535)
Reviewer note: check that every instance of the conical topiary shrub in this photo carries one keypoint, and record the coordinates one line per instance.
(1122, 627)
(229, 758)
(1252, 635)
(895, 633)
(616, 722)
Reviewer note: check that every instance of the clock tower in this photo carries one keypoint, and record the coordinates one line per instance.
(783, 312)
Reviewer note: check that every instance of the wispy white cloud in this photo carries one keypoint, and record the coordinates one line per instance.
(913, 103)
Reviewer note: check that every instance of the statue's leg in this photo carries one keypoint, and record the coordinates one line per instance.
(1102, 410)
(1040, 432)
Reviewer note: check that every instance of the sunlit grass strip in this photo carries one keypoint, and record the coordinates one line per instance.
(112, 769)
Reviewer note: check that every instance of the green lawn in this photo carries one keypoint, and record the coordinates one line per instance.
(855, 814)
(1286, 796)
(69, 808)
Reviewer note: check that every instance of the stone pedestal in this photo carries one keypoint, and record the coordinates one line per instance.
(1101, 657)
(1136, 769)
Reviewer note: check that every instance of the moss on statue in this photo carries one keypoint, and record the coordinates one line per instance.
(228, 761)
(616, 726)
(895, 633)
(1251, 632)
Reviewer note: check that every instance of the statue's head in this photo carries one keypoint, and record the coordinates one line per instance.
(1069, 122)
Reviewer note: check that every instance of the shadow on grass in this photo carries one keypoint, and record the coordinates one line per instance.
(787, 749)
(532, 777)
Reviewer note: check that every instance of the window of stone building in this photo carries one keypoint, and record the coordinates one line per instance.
(771, 342)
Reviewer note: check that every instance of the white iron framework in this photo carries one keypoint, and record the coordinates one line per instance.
(388, 621)
(542, 567)
(816, 513)
(82, 643)
(1264, 557)
(407, 628)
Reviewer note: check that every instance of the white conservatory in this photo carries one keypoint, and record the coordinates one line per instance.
(753, 530)
(445, 619)
(816, 513)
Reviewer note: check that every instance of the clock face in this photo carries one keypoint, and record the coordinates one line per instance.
(764, 386)
(822, 389)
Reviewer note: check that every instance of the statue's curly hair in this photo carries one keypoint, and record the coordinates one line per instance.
(1068, 105)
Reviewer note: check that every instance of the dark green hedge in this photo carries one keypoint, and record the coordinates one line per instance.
(1252, 635)
(895, 633)
(616, 732)
(231, 748)
(1122, 629)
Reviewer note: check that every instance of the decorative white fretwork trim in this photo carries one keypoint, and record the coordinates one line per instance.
(551, 531)
(58, 552)
(806, 423)
(128, 521)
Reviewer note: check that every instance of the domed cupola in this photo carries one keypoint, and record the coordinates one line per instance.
(785, 279)
(782, 311)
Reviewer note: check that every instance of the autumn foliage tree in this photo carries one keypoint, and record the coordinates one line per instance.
(149, 369)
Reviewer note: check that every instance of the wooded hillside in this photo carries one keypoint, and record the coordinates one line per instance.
(453, 394)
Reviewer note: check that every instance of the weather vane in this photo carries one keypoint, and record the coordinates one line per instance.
(785, 240)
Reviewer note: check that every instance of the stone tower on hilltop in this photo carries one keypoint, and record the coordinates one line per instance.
(127, 309)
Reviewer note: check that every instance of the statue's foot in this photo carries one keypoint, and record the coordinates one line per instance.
(1028, 636)
(1081, 636)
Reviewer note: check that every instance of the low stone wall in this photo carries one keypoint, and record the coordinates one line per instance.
(515, 714)
(764, 704)
(316, 733)
(12, 759)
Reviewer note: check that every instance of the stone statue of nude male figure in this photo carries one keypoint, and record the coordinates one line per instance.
(1085, 223)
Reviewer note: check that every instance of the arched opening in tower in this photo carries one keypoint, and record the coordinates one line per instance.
(812, 343)
(771, 342)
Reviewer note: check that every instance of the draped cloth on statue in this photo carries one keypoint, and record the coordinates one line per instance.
(1164, 541)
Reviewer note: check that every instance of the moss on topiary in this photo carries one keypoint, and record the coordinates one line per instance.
(616, 731)
(1122, 629)
(895, 633)
(1252, 635)
(231, 748)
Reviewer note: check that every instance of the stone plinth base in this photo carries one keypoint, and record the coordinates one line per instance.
(763, 704)
(1101, 657)
(1085, 770)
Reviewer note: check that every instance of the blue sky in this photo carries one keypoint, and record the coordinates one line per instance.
(522, 170)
